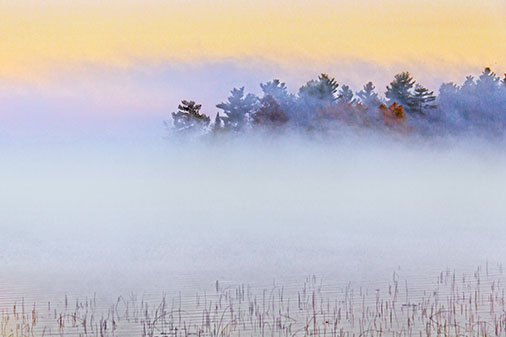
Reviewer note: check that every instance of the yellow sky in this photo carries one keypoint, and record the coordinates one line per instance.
(37, 37)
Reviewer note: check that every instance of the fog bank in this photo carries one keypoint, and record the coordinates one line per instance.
(248, 210)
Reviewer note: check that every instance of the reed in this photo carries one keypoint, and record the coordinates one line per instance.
(452, 305)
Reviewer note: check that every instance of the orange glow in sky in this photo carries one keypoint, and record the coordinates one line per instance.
(38, 36)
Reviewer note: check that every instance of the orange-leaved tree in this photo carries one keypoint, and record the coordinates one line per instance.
(394, 117)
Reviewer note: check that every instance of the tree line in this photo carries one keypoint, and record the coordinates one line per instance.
(478, 104)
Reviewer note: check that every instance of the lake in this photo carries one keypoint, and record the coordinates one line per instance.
(260, 238)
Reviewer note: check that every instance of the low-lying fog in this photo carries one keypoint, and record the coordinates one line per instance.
(117, 217)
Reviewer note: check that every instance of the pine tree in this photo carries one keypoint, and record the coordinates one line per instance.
(238, 109)
(489, 100)
(502, 97)
(368, 96)
(468, 86)
(274, 88)
(487, 82)
(188, 117)
(279, 92)
(477, 104)
(270, 113)
(346, 94)
(449, 88)
(466, 100)
(448, 98)
(422, 100)
(217, 122)
(314, 97)
(399, 90)
(323, 89)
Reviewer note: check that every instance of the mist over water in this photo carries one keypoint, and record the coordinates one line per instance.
(167, 215)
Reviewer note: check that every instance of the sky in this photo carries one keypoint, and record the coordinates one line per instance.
(125, 64)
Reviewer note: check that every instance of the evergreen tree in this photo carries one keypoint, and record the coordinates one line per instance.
(468, 86)
(217, 122)
(238, 109)
(449, 88)
(275, 88)
(399, 90)
(369, 97)
(188, 117)
(466, 104)
(324, 89)
(422, 100)
(487, 82)
(478, 104)
(448, 98)
(314, 97)
(270, 113)
(279, 92)
(489, 101)
(502, 97)
(346, 94)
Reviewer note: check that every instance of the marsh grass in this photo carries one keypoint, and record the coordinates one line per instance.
(454, 305)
